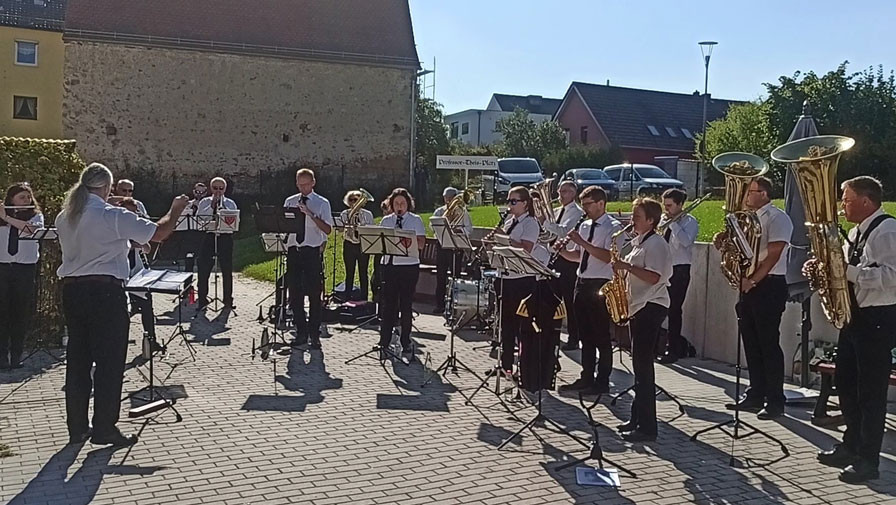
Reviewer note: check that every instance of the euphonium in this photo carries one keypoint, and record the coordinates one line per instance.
(813, 162)
(739, 169)
(456, 209)
(615, 291)
(544, 212)
(354, 216)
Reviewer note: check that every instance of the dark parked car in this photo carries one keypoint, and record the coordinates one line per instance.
(584, 177)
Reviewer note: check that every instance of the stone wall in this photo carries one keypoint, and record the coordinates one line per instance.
(167, 118)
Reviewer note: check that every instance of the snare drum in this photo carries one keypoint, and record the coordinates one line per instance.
(468, 298)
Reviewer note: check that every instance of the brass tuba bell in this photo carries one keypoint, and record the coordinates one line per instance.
(739, 241)
(813, 162)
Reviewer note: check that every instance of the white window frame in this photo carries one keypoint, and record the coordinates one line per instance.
(15, 55)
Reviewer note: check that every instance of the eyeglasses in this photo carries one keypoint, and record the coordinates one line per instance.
(218, 188)
(514, 201)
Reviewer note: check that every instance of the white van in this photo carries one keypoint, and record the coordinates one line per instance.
(516, 172)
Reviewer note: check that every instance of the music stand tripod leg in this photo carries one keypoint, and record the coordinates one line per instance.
(596, 452)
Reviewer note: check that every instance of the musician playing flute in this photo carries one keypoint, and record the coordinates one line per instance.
(94, 236)
(220, 243)
(18, 267)
(592, 255)
(400, 274)
(681, 233)
(351, 246)
(863, 349)
(649, 268)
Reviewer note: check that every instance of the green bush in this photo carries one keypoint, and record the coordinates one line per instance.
(51, 167)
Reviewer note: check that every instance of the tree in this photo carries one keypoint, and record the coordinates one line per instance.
(431, 132)
(524, 137)
(746, 128)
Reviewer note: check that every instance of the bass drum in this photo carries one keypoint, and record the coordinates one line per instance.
(468, 298)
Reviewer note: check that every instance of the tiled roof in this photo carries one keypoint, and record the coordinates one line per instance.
(644, 118)
(375, 31)
(37, 14)
(533, 103)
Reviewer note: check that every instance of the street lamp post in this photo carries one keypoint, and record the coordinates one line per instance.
(706, 48)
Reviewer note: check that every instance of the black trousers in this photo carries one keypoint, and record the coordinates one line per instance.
(678, 290)
(96, 315)
(303, 277)
(863, 376)
(144, 307)
(594, 324)
(513, 327)
(17, 282)
(206, 262)
(376, 285)
(447, 260)
(352, 257)
(760, 320)
(565, 286)
(538, 350)
(399, 286)
(645, 326)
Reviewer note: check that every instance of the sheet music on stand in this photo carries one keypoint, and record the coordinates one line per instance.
(41, 234)
(271, 219)
(189, 222)
(448, 237)
(518, 260)
(338, 222)
(388, 241)
(160, 281)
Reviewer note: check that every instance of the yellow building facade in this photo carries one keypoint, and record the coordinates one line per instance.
(31, 77)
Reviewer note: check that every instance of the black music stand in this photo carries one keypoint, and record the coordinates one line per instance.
(596, 453)
(519, 261)
(455, 240)
(451, 362)
(169, 283)
(282, 222)
(338, 225)
(388, 242)
(186, 239)
(40, 346)
(155, 401)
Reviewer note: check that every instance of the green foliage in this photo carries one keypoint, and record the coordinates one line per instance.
(581, 157)
(746, 128)
(431, 132)
(458, 148)
(51, 167)
(524, 137)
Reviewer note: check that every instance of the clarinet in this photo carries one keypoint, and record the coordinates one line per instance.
(561, 244)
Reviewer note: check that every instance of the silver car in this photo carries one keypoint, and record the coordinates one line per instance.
(644, 180)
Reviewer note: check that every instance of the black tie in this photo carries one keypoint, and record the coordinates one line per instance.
(132, 258)
(560, 215)
(398, 221)
(667, 234)
(585, 254)
(12, 247)
(512, 226)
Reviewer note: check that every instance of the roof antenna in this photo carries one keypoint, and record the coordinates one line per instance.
(608, 82)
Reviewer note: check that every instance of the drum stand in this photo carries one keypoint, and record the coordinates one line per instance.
(451, 362)
(597, 454)
(735, 421)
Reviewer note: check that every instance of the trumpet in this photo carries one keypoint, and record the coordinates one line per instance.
(661, 229)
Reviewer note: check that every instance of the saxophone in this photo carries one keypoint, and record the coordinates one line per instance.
(738, 243)
(616, 289)
(354, 216)
(813, 162)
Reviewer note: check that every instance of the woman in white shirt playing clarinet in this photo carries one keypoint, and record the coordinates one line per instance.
(18, 264)
(649, 267)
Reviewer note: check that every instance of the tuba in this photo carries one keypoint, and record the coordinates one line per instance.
(457, 208)
(354, 216)
(739, 241)
(544, 211)
(616, 289)
(813, 162)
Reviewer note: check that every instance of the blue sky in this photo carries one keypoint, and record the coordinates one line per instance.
(539, 47)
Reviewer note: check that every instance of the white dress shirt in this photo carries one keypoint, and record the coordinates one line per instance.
(526, 230)
(874, 279)
(141, 209)
(652, 254)
(365, 218)
(99, 242)
(466, 225)
(29, 250)
(776, 227)
(683, 234)
(605, 227)
(320, 208)
(566, 217)
(205, 208)
(409, 221)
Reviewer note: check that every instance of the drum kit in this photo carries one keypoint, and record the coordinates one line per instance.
(474, 300)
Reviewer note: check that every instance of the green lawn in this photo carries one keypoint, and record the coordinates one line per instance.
(250, 259)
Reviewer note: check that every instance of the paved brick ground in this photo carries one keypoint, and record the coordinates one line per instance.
(359, 433)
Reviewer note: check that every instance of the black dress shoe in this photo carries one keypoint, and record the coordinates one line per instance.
(860, 471)
(839, 457)
(771, 412)
(667, 359)
(570, 346)
(626, 427)
(638, 436)
(746, 405)
(4, 362)
(596, 389)
(81, 438)
(580, 384)
(116, 439)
